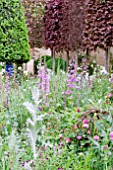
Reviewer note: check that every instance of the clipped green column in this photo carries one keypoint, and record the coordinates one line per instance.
(14, 44)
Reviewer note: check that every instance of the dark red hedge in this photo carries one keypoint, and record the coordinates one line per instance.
(98, 24)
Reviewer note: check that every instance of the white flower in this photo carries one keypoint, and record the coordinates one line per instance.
(100, 101)
(2, 71)
(19, 68)
(103, 71)
(81, 154)
(27, 165)
(78, 68)
(26, 72)
(94, 61)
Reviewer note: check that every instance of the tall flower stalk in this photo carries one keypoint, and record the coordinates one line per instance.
(43, 81)
(7, 91)
(78, 81)
(72, 77)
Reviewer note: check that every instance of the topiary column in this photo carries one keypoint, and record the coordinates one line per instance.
(14, 46)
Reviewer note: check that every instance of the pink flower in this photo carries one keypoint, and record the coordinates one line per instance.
(59, 152)
(61, 131)
(110, 95)
(54, 147)
(74, 127)
(111, 137)
(78, 110)
(89, 132)
(96, 138)
(111, 134)
(85, 121)
(47, 104)
(68, 140)
(105, 147)
(85, 125)
(107, 102)
(79, 137)
(60, 136)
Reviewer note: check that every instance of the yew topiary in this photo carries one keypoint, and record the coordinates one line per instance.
(14, 46)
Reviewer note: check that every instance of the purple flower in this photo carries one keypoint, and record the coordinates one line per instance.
(43, 81)
(68, 92)
(71, 85)
(111, 79)
(47, 104)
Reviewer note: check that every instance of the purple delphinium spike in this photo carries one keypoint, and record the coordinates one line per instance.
(89, 82)
(84, 67)
(43, 81)
(72, 76)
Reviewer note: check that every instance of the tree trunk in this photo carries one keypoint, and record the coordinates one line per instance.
(76, 60)
(53, 59)
(25, 66)
(87, 51)
(106, 64)
(67, 61)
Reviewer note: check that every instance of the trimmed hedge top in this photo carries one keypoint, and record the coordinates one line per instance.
(14, 46)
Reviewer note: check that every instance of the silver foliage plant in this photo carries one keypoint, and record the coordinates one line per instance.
(34, 124)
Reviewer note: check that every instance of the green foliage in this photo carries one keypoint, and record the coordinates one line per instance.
(45, 137)
(59, 63)
(36, 62)
(14, 45)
